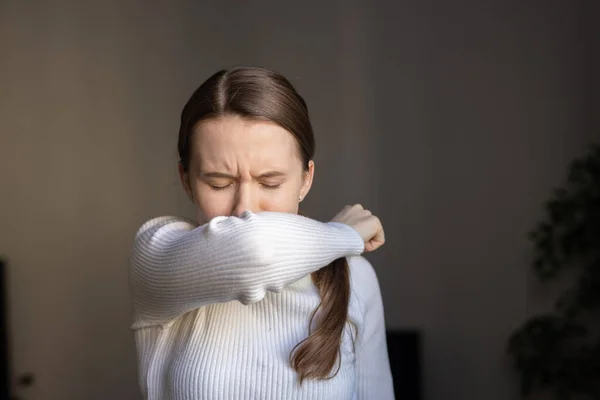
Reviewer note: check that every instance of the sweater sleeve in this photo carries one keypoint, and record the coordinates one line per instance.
(176, 267)
(374, 376)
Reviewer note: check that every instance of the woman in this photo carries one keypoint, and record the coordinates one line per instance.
(222, 308)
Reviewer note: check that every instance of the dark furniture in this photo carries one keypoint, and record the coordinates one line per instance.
(4, 359)
(404, 349)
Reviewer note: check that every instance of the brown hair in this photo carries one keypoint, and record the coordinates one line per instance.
(260, 93)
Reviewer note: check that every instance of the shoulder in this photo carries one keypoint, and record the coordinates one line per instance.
(363, 281)
(361, 269)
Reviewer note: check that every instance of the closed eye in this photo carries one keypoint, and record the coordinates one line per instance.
(215, 187)
(270, 187)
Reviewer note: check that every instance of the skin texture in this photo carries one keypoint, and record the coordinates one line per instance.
(240, 164)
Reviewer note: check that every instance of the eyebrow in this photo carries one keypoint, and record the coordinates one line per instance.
(272, 174)
(269, 174)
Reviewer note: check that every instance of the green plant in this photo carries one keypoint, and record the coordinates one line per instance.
(561, 350)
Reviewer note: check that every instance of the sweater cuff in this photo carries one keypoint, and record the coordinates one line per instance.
(355, 242)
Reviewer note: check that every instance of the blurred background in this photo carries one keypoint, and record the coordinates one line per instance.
(451, 120)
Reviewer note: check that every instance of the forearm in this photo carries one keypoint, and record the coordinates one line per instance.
(176, 268)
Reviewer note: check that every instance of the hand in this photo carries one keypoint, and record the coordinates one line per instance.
(366, 224)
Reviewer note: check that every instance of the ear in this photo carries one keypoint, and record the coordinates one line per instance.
(308, 180)
(185, 181)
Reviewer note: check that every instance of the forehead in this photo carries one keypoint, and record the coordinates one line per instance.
(233, 142)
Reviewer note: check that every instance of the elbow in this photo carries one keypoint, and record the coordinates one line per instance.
(146, 280)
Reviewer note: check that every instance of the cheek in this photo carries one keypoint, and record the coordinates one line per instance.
(281, 200)
(211, 204)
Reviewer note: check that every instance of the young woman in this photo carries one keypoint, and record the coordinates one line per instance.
(255, 301)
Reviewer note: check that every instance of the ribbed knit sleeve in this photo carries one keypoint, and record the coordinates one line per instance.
(176, 267)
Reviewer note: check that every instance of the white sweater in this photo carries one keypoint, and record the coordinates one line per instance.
(219, 308)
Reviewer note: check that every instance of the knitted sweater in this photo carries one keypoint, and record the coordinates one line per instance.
(218, 309)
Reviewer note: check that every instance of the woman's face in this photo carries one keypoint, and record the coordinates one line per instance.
(239, 164)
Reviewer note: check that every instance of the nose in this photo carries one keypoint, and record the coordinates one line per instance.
(245, 200)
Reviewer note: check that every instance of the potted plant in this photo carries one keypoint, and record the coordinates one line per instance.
(560, 350)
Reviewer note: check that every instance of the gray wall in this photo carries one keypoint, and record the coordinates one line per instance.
(452, 122)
